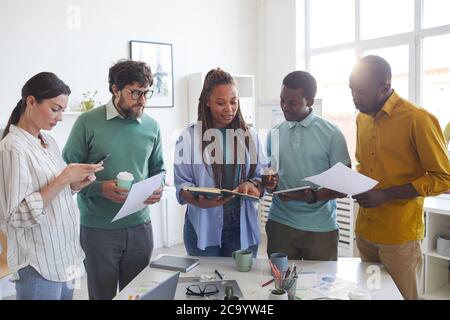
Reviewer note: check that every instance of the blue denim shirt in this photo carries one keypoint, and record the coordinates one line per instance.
(189, 170)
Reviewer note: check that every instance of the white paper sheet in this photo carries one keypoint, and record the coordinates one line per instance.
(307, 279)
(137, 195)
(342, 179)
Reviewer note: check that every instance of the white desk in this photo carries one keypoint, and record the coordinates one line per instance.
(346, 269)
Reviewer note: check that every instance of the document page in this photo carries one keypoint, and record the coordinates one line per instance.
(137, 195)
(342, 179)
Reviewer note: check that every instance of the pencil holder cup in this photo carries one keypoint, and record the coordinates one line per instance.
(288, 284)
(278, 294)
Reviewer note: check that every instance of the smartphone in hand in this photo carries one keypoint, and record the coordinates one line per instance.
(102, 159)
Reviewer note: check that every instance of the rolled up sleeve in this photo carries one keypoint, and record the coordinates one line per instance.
(433, 157)
(183, 166)
(23, 207)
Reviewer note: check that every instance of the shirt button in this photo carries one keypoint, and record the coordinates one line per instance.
(373, 153)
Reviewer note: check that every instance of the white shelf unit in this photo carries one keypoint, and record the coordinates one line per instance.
(436, 273)
(246, 88)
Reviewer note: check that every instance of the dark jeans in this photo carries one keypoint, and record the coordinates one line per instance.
(231, 238)
(115, 257)
(301, 244)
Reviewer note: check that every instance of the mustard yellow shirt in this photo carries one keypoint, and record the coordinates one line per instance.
(447, 133)
(401, 144)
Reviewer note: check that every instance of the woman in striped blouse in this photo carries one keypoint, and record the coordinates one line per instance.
(37, 210)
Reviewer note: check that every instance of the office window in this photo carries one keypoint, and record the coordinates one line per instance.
(337, 103)
(381, 18)
(339, 14)
(436, 13)
(333, 87)
(398, 58)
(436, 77)
(418, 52)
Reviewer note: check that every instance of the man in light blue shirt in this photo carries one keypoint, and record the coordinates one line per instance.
(303, 224)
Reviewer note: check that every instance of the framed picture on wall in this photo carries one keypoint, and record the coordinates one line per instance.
(159, 57)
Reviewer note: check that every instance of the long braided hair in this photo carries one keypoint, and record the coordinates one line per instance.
(214, 78)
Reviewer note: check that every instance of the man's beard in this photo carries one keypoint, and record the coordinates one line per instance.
(132, 112)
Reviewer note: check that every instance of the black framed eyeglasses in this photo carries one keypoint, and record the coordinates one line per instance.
(137, 94)
(206, 290)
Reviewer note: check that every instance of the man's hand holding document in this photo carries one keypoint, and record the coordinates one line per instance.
(343, 179)
(140, 195)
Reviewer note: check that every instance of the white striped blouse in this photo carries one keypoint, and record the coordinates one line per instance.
(46, 238)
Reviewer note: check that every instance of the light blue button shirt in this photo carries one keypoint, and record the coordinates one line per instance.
(190, 171)
(299, 150)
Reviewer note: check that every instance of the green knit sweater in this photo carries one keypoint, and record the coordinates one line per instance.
(134, 147)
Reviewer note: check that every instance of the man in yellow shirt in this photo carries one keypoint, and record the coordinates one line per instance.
(401, 146)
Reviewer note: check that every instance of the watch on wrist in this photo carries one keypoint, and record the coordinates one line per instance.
(253, 182)
(314, 197)
(258, 186)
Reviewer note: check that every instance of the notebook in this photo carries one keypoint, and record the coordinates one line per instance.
(183, 264)
(215, 192)
(294, 189)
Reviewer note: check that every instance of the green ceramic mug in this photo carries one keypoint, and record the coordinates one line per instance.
(244, 260)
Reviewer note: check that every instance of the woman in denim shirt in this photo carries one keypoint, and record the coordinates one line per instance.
(219, 151)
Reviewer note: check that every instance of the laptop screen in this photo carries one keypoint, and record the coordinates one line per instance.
(164, 290)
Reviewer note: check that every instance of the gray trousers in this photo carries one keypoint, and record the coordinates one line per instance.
(115, 257)
(300, 244)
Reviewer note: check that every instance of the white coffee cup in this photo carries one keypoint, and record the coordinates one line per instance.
(125, 180)
(359, 294)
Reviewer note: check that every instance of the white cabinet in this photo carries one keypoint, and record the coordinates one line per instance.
(167, 220)
(436, 267)
(246, 88)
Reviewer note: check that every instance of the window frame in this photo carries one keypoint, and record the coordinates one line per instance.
(413, 39)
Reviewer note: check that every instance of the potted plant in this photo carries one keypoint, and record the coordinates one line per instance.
(88, 102)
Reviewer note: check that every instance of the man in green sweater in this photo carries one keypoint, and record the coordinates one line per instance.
(117, 251)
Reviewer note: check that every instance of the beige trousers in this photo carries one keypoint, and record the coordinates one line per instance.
(402, 261)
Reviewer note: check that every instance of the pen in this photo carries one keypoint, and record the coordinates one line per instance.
(268, 282)
(218, 273)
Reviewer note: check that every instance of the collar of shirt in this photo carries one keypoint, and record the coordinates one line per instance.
(28, 136)
(389, 105)
(305, 122)
(111, 112)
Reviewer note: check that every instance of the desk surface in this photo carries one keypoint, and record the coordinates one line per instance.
(349, 272)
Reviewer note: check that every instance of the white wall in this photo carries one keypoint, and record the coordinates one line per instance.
(39, 35)
(277, 39)
(280, 51)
